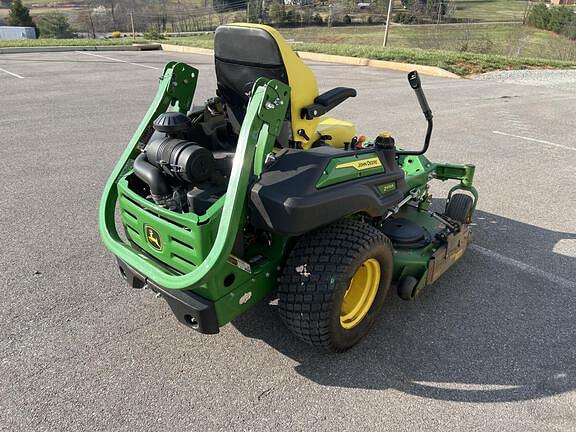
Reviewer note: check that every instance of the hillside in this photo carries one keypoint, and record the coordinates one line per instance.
(492, 27)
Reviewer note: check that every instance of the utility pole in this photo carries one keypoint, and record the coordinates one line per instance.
(386, 30)
(248, 11)
(132, 24)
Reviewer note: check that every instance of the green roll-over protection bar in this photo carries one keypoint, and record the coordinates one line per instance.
(264, 117)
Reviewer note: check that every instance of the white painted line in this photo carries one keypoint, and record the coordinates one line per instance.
(11, 73)
(535, 140)
(565, 283)
(467, 386)
(116, 60)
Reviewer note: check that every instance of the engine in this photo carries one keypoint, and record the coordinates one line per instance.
(181, 175)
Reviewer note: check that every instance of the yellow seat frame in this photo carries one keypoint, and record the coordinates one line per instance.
(303, 91)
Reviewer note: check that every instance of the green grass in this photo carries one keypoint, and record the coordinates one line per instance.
(457, 62)
(200, 41)
(509, 40)
(66, 42)
(499, 39)
(490, 10)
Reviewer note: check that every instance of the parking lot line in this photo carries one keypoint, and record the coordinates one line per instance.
(116, 60)
(565, 283)
(535, 140)
(12, 73)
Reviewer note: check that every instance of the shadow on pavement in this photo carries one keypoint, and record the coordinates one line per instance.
(485, 332)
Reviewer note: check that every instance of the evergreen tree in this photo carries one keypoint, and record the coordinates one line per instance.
(19, 15)
(539, 16)
(55, 25)
(560, 17)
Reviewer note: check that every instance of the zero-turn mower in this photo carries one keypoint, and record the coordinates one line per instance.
(257, 190)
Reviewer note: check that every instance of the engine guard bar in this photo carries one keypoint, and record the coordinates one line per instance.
(265, 113)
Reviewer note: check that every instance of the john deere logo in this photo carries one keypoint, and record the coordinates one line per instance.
(153, 238)
(361, 164)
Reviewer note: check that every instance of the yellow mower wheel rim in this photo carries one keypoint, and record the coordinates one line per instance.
(360, 294)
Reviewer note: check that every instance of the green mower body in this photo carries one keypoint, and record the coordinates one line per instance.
(215, 223)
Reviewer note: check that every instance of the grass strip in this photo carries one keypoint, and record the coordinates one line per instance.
(460, 63)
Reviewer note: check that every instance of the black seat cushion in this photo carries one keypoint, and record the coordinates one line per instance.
(242, 55)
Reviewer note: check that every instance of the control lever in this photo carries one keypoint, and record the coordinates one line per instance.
(414, 80)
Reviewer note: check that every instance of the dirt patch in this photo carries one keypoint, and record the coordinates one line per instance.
(331, 40)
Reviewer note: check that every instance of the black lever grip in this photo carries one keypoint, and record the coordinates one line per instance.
(414, 80)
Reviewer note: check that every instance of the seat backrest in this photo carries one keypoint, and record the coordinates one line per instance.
(245, 52)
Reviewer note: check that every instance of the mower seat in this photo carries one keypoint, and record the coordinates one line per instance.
(245, 52)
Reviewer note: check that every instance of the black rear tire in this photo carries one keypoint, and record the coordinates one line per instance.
(317, 277)
(459, 208)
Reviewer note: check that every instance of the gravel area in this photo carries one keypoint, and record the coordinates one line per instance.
(540, 77)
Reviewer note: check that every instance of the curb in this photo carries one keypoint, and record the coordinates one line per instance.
(187, 49)
(354, 61)
(331, 58)
(381, 64)
(135, 47)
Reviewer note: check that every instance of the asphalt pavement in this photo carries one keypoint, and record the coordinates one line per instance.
(491, 346)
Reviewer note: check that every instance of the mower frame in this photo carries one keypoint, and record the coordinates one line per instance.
(202, 298)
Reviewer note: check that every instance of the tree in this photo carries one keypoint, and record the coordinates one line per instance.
(434, 9)
(277, 13)
(317, 19)
(291, 16)
(229, 5)
(112, 6)
(252, 9)
(379, 6)
(307, 15)
(557, 19)
(570, 30)
(55, 25)
(560, 17)
(86, 23)
(19, 15)
(539, 16)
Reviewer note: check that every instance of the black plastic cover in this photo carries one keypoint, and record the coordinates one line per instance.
(405, 234)
(172, 123)
(181, 159)
(286, 200)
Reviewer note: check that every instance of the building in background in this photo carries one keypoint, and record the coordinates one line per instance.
(9, 32)
(563, 2)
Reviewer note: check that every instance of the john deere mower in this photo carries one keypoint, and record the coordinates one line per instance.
(257, 190)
